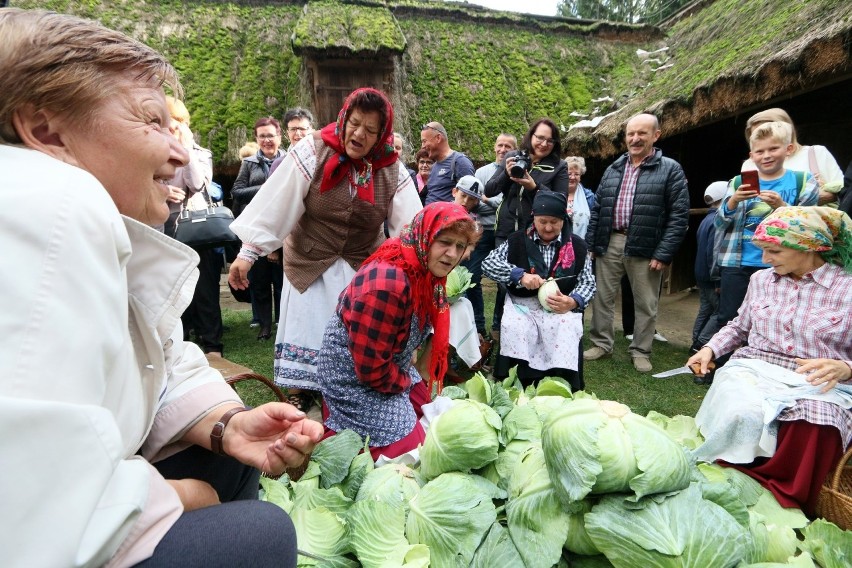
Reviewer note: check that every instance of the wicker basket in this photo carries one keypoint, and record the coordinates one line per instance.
(296, 472)
(835, 500)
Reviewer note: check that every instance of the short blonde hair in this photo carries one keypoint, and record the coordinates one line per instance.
(778, 131)
(177, 110)
(249, 149)
(68, 65)
(577, 161)
(770, 115)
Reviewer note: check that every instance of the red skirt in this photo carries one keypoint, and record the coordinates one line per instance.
(418, 396)
(805, 455)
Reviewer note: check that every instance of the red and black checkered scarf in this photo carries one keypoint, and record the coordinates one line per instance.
(382, 154)
(410, 251)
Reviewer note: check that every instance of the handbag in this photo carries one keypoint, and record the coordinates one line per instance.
(205, 228)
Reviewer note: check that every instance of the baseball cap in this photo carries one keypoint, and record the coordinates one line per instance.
(715, 191)
(470, 186)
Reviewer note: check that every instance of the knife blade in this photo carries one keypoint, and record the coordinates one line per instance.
(679, 371)
(684, 371)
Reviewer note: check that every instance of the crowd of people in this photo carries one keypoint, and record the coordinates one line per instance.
(348, 250)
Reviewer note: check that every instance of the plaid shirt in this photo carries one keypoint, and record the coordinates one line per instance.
(497, 267)
(376, 311)
(782, 318)
(730, 223)
(624, 204)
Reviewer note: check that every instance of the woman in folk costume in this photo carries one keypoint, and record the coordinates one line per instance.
(781, 409)
(326, 203)
(396, 299)
(543, 341)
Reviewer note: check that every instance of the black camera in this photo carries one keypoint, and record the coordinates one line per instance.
(521, 165)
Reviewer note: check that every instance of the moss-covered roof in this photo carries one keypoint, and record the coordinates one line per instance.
(332, 28)
(730, 55)
(476, 70)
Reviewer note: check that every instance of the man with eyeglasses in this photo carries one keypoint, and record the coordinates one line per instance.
(450, 165)
(299, 123)
(639, 222)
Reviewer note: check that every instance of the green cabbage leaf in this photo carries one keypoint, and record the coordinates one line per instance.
(463, 438)
(451, 515)
(677, 531)
(536, 520)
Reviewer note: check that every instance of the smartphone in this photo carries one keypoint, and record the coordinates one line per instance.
(750, 177)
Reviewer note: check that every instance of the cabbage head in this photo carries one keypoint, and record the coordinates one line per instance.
(392, 483)
(451, 515)
(497, 550)
(458, 281)
(463, 438)
(599, 446)
(683, 530)
(578, 540)
(537, 522)
(830, 545)
(377, 535)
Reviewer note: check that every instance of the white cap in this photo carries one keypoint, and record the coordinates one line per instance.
(715, 192)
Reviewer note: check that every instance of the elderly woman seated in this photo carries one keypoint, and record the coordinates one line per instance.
(779, 410)
(121, 446)
(543, 338)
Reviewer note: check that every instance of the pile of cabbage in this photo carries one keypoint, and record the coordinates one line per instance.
(540, 478)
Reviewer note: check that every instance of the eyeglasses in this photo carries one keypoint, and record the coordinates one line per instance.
(267, 136)
(295, 129)
(543, 140)
(440, 131)
(426, 162)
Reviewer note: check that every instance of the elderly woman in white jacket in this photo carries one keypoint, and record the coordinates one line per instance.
(108, 416)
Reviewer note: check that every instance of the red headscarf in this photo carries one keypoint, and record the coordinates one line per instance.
(380, 155)
(410, 251)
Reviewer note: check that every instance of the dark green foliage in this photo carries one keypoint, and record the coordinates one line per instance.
(479, 72)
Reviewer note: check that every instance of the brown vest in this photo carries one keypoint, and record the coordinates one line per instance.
(337, 225)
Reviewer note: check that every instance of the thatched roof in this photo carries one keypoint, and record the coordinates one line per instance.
(731, 55)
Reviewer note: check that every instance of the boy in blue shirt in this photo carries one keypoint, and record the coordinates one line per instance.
(744, 207)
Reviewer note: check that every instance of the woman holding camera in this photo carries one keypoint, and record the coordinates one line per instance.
(535, 167)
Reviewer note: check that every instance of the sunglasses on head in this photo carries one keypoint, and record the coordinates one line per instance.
(440, 131)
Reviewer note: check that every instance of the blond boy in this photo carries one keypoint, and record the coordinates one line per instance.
(744, 207)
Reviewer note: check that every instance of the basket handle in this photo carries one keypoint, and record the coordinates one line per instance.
(256, 377)
(838, 471)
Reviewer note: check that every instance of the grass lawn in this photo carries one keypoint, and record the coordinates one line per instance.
(613, 378)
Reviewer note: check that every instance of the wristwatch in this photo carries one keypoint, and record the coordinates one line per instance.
(218, 433)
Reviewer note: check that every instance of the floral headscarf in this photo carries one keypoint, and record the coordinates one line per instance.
(380, 155)
(823, 230)
(410, 251)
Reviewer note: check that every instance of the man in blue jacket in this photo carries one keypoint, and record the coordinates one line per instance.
(638, 223)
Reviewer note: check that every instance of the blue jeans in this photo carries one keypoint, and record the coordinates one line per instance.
(242, 531)
(474, 264)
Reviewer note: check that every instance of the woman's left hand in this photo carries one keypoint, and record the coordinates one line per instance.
(272, 437)
(560, 303)
(826, 372)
